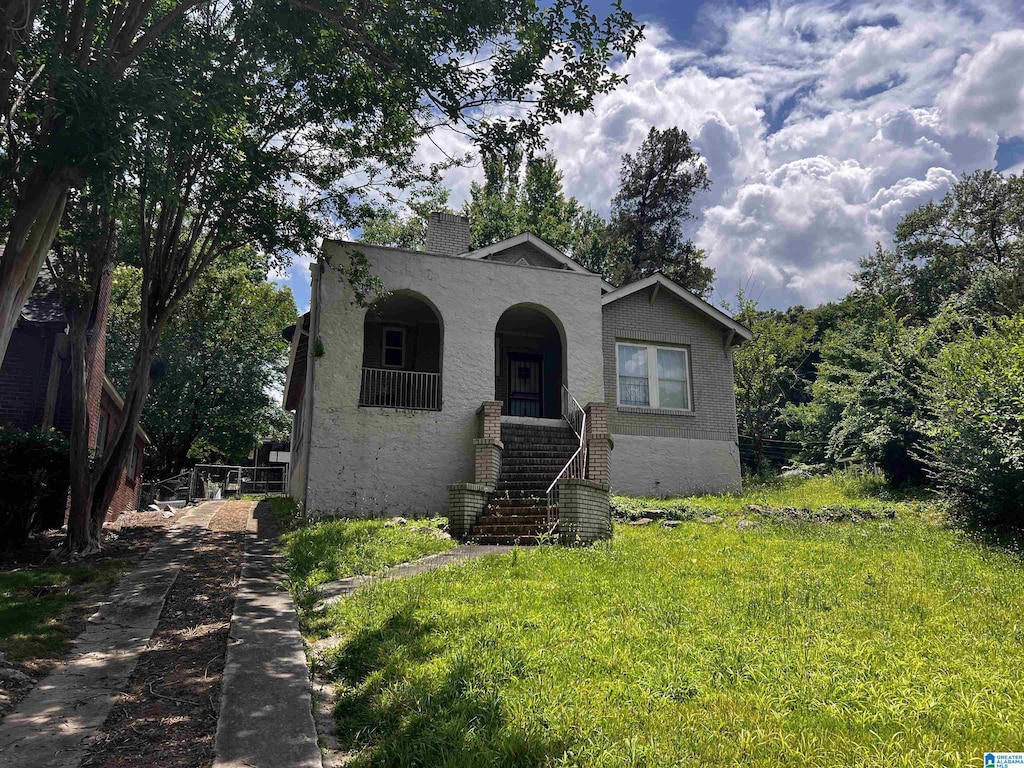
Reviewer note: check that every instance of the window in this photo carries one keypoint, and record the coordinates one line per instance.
(101, 432)
(654, 377)
(393, 355)
(132, 467)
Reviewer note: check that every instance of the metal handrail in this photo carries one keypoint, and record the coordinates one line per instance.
(576, 466)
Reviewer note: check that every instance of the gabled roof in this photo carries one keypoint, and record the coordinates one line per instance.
(541, 245)
(659, 279)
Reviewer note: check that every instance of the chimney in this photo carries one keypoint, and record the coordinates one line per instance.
(447, 234)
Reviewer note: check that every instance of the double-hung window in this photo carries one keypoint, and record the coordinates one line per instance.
(654, 377)
(393, 354)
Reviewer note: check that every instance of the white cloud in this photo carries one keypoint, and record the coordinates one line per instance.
(987, 92)
(822, 125)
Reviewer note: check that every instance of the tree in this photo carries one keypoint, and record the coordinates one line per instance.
(967, 247)
(767, 372)
(975, 433)
(656, 189)
(270, 126)
(867, 398)
(220, 359)
(386, 226)
(76, 78)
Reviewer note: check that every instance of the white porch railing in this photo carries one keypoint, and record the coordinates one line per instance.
(390, 388)
(576, 467)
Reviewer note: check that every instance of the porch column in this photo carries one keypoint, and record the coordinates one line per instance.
(488, 447)
(598, 442)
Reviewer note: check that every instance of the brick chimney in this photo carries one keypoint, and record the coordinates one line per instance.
(447, 234)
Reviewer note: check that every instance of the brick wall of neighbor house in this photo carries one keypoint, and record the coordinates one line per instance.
(533, 256)
(447, 234)
(374, 461)
(665, 453)
(126, 494)
(24, 377)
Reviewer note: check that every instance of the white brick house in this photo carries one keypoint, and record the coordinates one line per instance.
(469, 380)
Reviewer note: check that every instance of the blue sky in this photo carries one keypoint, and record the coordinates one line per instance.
(822, 124)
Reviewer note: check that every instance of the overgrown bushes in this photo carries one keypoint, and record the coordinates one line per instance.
(35, 475)
(976, 435)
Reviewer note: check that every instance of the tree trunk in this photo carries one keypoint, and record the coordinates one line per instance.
(107, 473)
(83, 539)
(32, 231)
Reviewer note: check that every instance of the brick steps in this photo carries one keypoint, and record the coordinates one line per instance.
(532, 457)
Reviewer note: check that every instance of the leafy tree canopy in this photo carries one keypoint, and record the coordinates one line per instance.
(220, 364)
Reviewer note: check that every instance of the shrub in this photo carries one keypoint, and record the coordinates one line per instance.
(976, 436)
(35, 474)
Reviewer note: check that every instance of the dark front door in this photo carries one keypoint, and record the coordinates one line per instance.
(525, 384)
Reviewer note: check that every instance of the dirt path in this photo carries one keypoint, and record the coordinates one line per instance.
(169, 710)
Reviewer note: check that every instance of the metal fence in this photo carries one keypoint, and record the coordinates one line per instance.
(218, 481)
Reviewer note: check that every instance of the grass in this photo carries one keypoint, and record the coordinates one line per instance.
(336, 549)
(34, 605)
(888, 643)
(840, 488)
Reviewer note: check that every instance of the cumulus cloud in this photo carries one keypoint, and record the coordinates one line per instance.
(822, 124)
(987, 92)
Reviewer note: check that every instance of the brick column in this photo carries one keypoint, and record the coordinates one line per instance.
(598, 442)
(490, 419)
(488, 447)
(584, 512)
(465, 503)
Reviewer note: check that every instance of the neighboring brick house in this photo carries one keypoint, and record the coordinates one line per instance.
(35, 379)
(483, 375)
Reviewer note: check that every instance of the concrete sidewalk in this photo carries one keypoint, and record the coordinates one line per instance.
(53, 727)
(266, 718)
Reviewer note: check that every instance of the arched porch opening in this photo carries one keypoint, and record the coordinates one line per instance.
(529, 362)
(403, 352)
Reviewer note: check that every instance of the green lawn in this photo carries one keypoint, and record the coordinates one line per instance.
(888, 643)
(336, 549)
(34, 603)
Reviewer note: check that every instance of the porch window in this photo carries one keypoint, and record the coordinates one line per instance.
(654, 377)
(393, 354)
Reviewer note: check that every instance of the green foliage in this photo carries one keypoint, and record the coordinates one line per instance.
(656, 189)
(34, 604)
(35, 483)
(967, 248)
(221, 359)
(386, 226)
(336, 549)
(975, 437)
(702, 645)
(768, 372)
(519, 196)
(867, 403)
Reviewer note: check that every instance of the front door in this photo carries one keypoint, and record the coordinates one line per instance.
(525, 384)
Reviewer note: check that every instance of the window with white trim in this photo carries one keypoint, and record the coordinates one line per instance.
(653, 377)
(393, 353)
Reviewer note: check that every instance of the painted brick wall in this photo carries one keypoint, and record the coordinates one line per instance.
(380, 461)
(671, 321)
(24, 376)
(447, 234)
(584, 512)
(658, 453)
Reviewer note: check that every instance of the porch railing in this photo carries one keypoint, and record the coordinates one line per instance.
(576, 466)
(390, 388)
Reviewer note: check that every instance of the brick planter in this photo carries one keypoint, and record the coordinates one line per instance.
(584, 511)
